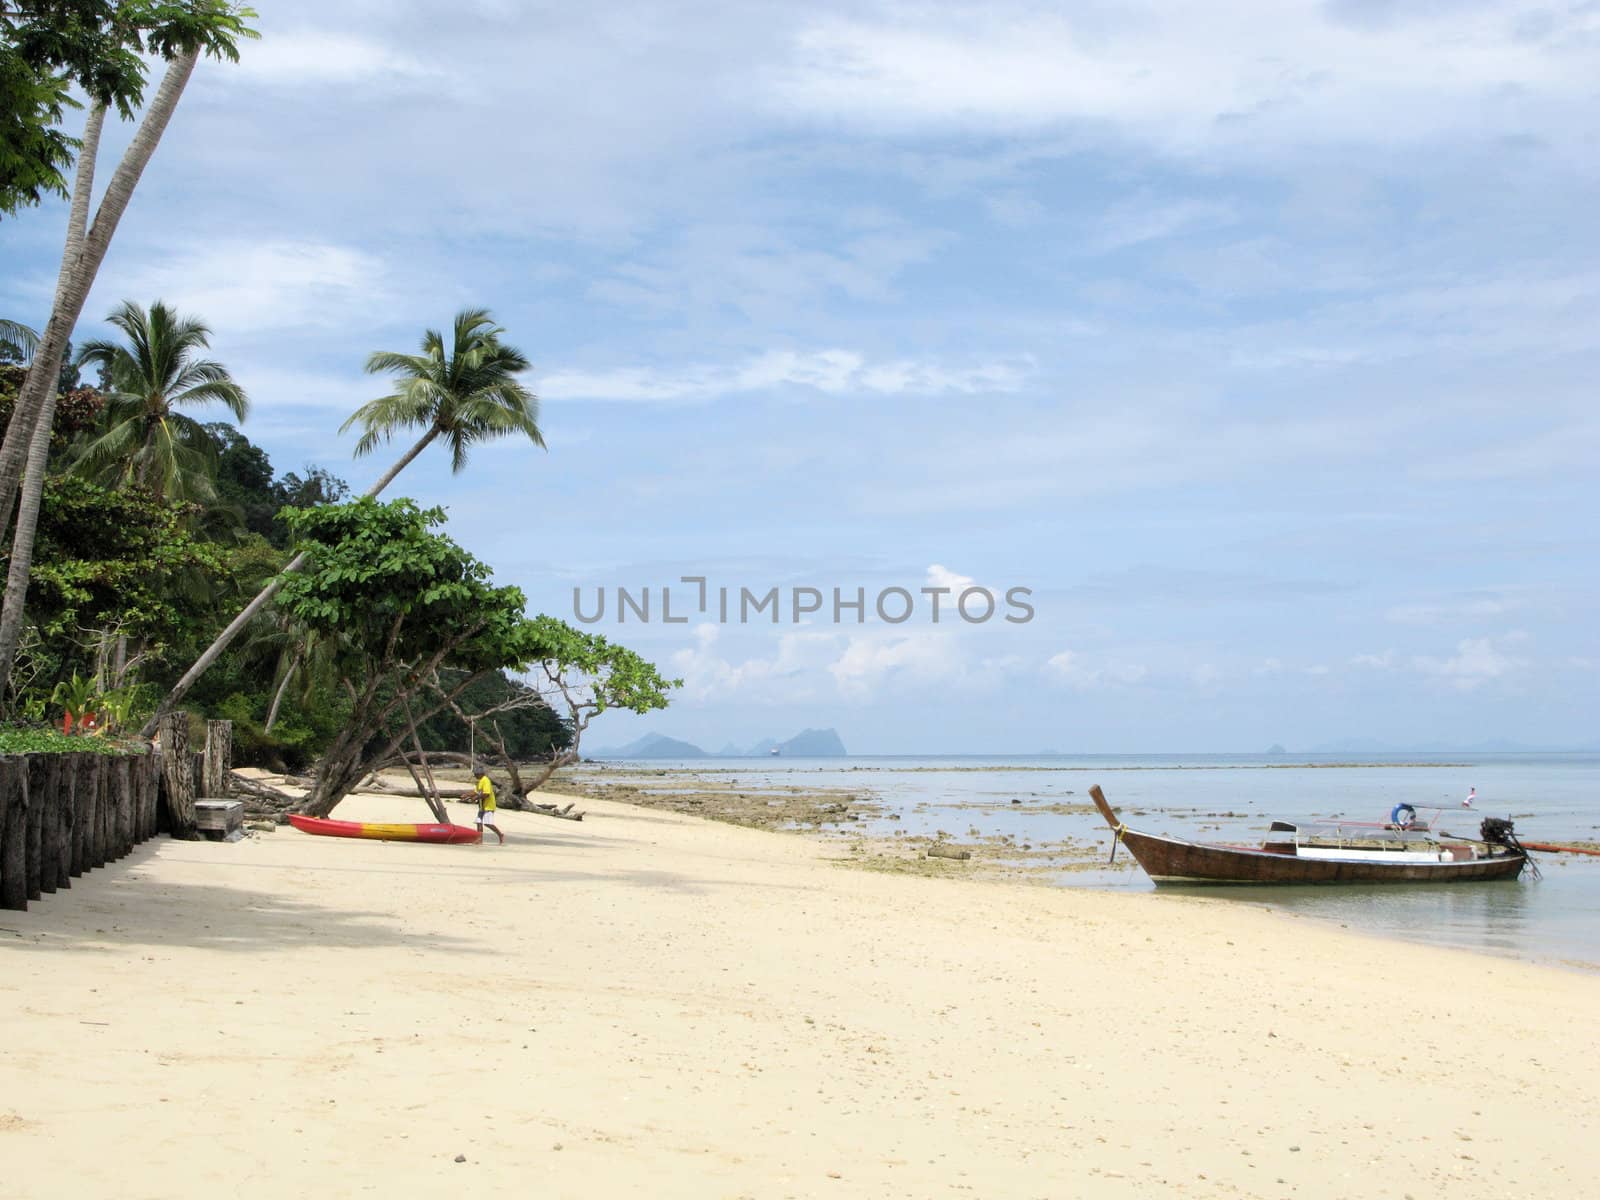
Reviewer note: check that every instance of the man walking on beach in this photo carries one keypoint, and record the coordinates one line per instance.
(484, 791)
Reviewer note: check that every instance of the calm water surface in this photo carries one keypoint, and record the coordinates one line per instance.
(1552, 797)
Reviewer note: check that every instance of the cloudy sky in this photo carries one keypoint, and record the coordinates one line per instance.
(1258, 339)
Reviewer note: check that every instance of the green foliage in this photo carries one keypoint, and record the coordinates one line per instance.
(399, 593)
(467, 395)
(531, 728)
(77, 411)
(147, 439)
(117, 558)
(20, 740)
(245, 484)
(75, 696)
(17, 342)
(48, 47)
(595, 674)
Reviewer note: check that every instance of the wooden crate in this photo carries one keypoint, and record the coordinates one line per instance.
(218, 818)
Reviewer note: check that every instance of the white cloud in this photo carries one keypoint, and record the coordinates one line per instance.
(1375, 662)
(708, 675)
(246, 287)
(872, 660)
(833, 372)
(1185, 76)
(297, 58)
(1070, 668)
(1476, 661)
(1446, 612)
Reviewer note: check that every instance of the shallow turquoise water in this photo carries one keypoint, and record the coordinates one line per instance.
(1551, 797)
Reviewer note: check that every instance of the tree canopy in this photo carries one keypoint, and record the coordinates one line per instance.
(49, 47)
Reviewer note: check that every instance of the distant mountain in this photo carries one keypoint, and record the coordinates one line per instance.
(808, 743)
(813, 743)
(652, 745)
(1372, 746)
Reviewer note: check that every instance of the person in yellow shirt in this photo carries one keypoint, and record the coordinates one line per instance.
(483, 790)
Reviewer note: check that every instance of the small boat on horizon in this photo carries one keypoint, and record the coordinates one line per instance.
(1326, 854)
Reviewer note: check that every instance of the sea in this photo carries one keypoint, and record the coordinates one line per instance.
(1551, 797)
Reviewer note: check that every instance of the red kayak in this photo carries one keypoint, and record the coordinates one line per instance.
(380, 831)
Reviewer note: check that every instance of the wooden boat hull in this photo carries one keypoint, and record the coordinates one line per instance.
(1175, 861)
(1172, 861)
(381, 831)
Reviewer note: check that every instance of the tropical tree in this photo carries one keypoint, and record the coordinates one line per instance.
(179, 31)
(148, 440)
(465, 394)
(17, 342)
(402, 601)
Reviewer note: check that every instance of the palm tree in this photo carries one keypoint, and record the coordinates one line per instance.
(147, 439)
(17, 341)
(26, 449)
(468, 395)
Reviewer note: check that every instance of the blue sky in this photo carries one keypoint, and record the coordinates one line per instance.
(1259, 340)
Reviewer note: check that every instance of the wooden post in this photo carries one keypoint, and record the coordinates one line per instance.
(13, 833)
(218, 760)
(44, 781)
(122, 803)
(64, 825)
(177, 774)
(35, 834)
(96, 767)
(144, 770)
(80, 813)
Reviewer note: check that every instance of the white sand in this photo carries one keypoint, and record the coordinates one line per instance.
(646, 1004)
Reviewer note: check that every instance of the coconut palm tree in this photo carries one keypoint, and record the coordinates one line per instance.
(466, 394)
(148, 440)
(17, 341)
(180, 35)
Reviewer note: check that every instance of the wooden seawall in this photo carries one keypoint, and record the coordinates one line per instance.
(62, 815)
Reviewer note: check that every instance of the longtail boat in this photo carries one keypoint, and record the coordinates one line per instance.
(1326, 854)
(381, 831)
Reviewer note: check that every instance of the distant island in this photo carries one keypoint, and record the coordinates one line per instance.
(808, 743)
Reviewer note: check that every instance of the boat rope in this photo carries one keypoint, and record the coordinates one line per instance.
(1116, 837)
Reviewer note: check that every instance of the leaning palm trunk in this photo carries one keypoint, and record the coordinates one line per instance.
(264, 596)
(277, 696)
(24, 414)
(80, 261)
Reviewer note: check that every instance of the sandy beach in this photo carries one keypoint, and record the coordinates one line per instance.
(647, 1003)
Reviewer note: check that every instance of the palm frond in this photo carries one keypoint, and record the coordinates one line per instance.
(18, 341)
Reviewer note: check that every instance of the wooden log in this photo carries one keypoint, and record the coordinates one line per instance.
(149, 794)
(940, 850)
(35, 832)
(64, 782)
(80, 812)
(108, 808)
(97, 810)
(13, 833)
(44, 780)
(550, 810)
(218, 759)
(177, 774)
(122, 803)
